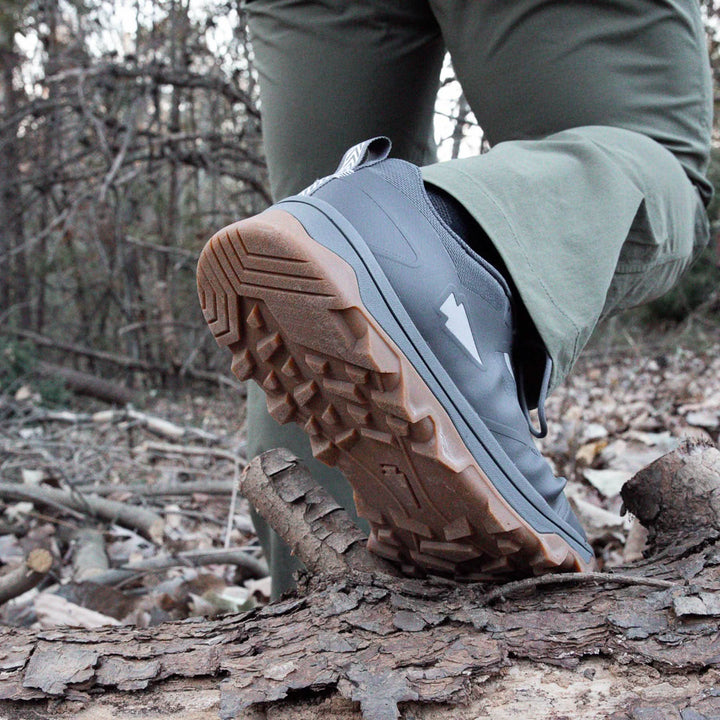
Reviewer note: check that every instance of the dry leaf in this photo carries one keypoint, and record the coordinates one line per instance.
(587, 453)
(607, 482)
(704, 419)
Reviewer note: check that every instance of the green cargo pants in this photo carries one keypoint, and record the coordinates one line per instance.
(599, 116)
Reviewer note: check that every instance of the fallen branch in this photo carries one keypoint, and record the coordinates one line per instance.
(153, 423)
(204, 487)
(25, 577)
(171, 449)
(307, 518)
(145, 521)
(89, 557)
(168, 429)
(124, 361)
(127, 362)
(193, 558)
(84, 383)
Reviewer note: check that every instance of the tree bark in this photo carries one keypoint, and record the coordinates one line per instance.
(637, 644)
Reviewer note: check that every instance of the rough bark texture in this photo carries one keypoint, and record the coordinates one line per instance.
(361, 643)
(317, 529)
(678, 496)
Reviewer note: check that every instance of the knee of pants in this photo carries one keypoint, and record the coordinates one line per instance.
(651, 262)
(532, 68)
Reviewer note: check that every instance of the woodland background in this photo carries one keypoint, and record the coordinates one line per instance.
(129, 133)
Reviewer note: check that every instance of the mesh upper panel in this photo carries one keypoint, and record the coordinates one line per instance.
(471, 267)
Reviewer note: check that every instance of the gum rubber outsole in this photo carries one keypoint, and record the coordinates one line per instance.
(291, 313)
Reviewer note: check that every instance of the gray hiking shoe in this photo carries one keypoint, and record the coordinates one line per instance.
(371, 324)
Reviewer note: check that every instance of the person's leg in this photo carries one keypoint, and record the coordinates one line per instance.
(335, 73)
(600, 116)
(368, 319)
(332, 74)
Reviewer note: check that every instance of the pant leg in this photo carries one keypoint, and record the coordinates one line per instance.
(600, 115)
(336, 72)
(333, 74)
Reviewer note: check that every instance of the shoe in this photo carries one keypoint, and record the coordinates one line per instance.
(367, 321)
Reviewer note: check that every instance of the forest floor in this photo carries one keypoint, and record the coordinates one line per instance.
(175, 459)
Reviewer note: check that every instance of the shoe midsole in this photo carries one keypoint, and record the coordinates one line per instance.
(333, 231)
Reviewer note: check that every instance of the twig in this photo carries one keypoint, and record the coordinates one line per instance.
(163, 76)
(195, 515)
(168, 429)
(54, 520)
(63, 416)
(511, 588)
(194, 558)
(120, 157)
(171, 449)
(233, 504)
(145, 521)
(171, 249)
(34, 568)
(206, 487)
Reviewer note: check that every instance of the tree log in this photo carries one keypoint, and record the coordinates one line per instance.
(639, 644)
(84, 383)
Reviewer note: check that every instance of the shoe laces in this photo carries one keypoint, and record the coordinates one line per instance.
(544, 386)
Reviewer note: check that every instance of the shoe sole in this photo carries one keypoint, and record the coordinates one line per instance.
(291, 312)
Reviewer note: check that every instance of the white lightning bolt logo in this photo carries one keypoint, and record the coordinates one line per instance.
(459, 325)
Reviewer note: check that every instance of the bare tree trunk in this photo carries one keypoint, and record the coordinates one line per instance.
(14, 278)
(169, 225)
(52, 142)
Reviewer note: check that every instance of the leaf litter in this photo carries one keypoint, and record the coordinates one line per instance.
(177, 458)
